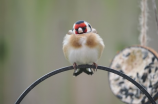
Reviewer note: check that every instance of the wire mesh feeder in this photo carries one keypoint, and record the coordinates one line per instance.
(83, 66)
(141, 64)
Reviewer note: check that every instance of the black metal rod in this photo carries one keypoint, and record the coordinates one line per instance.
(21, 97)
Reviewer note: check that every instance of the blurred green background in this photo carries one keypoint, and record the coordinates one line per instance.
(31, 35)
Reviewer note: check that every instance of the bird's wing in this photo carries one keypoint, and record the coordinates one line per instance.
(95, 41)
(66, 45)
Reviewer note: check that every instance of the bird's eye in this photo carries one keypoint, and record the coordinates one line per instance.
(84, 28)
(76, 31)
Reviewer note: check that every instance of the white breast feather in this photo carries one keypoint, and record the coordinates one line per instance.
(83, 55)
(66, 39)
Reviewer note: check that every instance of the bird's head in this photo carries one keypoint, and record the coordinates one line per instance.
(81, 27)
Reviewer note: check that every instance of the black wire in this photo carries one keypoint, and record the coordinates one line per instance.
(155, 97)
(82, 66)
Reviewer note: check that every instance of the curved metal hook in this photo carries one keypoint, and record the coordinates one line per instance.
(82, 66)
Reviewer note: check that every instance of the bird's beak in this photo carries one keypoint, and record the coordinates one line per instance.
(80, 30)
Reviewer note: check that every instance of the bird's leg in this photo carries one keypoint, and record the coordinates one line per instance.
(75, 67)
(94, 66)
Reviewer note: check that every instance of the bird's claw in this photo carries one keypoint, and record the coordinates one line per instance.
(75, 67)
(94, 66)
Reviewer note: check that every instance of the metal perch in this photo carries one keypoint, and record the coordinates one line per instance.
(82, 66)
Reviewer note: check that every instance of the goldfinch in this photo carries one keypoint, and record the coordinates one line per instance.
(82, 45)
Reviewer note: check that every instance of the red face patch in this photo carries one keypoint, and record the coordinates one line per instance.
(81, 25)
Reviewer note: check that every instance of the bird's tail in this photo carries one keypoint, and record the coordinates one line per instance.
(86, 70)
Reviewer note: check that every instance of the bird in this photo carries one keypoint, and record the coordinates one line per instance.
(82, 45)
